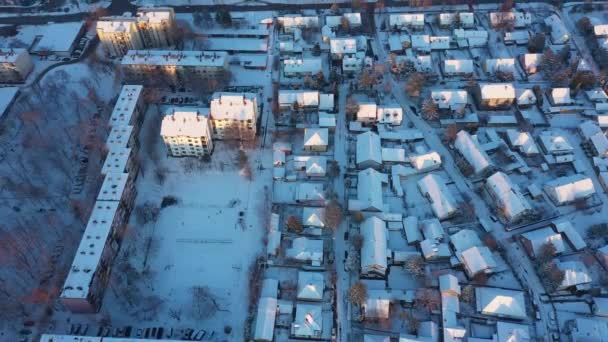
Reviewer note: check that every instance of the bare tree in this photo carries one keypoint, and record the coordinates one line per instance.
(415, 266)
(450, 133)
(352, 107)
(357, 293)
(293, 224)
(414, 84)
(430, 110)
(333, 214)
(428, 298)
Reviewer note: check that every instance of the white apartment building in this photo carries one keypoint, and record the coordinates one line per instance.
(129, 108)
(187, 132)
(15, 65)
(88, 276)
(150, 28)
(158, 67)
(156, 26)
(234, 115)
(119, 35)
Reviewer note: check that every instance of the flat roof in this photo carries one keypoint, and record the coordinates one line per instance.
(58, 37)
(113, 187)
(125, 105)
(171, 57)
(7, 95)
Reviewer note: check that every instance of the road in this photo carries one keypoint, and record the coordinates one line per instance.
(340, 246)
(518, 259)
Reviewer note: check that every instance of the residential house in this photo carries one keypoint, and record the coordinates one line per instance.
(311, 286)
(514, 18)
(453, 101)
(300, 67)
(510, 202)
(308, 321)
(495, 95)
(369, 191)
(368, 153)
(494, 65)
(374, 249)
(471, 151)
(531, 62)
(554, 143)
(316, 139)
(533, 241)
(523, 142)
(306, 250)
(410, 20)
(500, 302)
(458, 67)
(434, 188)
(568, 189)
(340, 47)
(299, 100)
(560, 96)
(292, 22)
(559, 32)
(525, 97)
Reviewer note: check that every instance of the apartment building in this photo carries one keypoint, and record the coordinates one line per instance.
(119, 35)
(151, 28)
(187, 132)
(162, 67)
(156, 26)
(129, 107)
(88, 276)
(15, 65)
(234, 115)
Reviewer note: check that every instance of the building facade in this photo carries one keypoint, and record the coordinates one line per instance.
(187, 133)
(234, 115)
(151, 28)
(165, 67)
(15, 65)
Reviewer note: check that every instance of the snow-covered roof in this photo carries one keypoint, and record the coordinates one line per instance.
(252, 45)
(493, 65)
(367, 111)
(313, 217)
(125, 105)
(512, 332)
(601, 30)
(450, 99)
(316, 166)
(433, 187)
(333, 21)
(113, 187)
(310, 285)
(464, 239)
(116, 160)
(600, 306)
(233, 106)
(521, 37)
(426, 161)
(304, 249)
(155, 15)
(569, 188)
(532, 60)
(310, 65)
(316, 137)
(308, 321)
(432, 249)
(376, 307)
(116, 24)
(374, 249)
(602, 120)
(421, 41)
(559, 32)
(597, 94)
(119, 137)
(265, 319)
(497, 91)
(561, 96)
(478, 259)
(296, 20)
(58, 37)
(554, 143)
(449, 283)
(465, 18)
(600, 144)
(525, 96)
(410, 227)
(589, 128)
(393, 155)
(432, 229)
(376, 338)
(368, 148)
(519, 19)
(185, 124)
(587, 329)
(539, 237)
(343, 45)
(522, 141)
(327, 120)
(500, 302)
(507, 196)
(90, 250)
(406, 19)
(471, 151)
(440, 42)
(177, 58)
(310, 192)
(304, 98)
(369, 191)
(326, 101)
(389, 114)
(575, 273)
